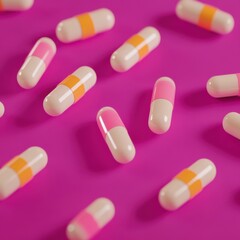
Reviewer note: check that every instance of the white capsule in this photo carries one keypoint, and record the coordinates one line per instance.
(15, 5)
(231, 124)
(2, 109)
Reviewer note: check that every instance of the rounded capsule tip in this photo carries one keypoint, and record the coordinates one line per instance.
(26, 4)
(2, 109)
(165, 199)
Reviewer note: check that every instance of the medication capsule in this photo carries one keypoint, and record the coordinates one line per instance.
(135, 49)
(162, 105)
(91, 220)
(224, 86)
(21, 169)
(115, 134)
(85, 25)
(231, 124)
(69, 91)
(2, 109)
(187, 184)
(205, 16)
(15, 5)
(36, 63)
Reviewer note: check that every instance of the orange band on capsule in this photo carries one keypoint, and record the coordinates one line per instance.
(139, 43)
(1, 5)
(20, 166)
(86, 24)
(206, 16)
(190, 178)
(75, 85)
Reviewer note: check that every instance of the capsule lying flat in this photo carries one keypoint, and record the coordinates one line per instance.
(15, 5)
(2, 109)
(91, 220)
(115, 134)
(135, 49)
(205, 16)
(187, 184)
(21, 169)
(162, 103)
(231, 124)
(36, 63)
(85, 25)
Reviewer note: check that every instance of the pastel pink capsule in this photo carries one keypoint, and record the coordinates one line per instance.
(69, 91)
(115, 134)
(15, 5)
(21, 169)
(224, 86)
(85, 25)
(162, 103)
(231, 124)
(187, 184)
(91, 220)
(2, 109)
(36, 63)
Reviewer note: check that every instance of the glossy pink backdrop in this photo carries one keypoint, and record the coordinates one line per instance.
(80, 167)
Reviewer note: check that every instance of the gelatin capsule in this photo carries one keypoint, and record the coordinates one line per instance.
(205, 16)
(69, 91)
(85, 25)
(36, 63)
(162, 105)
(21, 169)
(2, 109)
(135, 49)
(15, 5)
(187, 184)
(115, 134)
(231, 124)
(91, 220)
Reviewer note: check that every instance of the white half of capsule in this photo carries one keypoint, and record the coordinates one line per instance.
(231, 124)
(2, 109)
(15, 5)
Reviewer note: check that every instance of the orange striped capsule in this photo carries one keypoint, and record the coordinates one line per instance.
(69, 91)
(187, 184)
(21, 169)
(15, 5)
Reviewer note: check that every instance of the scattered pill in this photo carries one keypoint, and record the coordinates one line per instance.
(187, 184)
(135, 49)
(205, 16)
(115, 134)
(231, 124)
(15, 5)
(36, 63)
(85, 25)
(21, 169)
(2, 109)
(91, 220)
(162, 105)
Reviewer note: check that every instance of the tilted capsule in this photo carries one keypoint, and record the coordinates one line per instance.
(85, 25)
(2, 109)
(21, 169)
(69, 91)
(162, 103)
(36, 63)
(231, 124)
(115, 134)
(187, 184)
(135, 49)
(205, 16)
(15, 5)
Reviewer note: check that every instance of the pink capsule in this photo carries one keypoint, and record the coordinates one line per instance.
(15, 5)
(115, 134)
(231, 124)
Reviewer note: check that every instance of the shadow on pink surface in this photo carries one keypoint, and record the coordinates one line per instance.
(58, 234)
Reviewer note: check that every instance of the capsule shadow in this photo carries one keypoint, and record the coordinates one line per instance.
(236, 198)
(59, 234)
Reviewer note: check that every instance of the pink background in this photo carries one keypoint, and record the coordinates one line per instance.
(80, 167)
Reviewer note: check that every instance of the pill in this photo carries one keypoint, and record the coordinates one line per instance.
(135, 49)
(162, 105)
(205, 16)
(85, 25)
(231, 124)
(187, 184)
(21, 169)
(36, 63)
(224, 85)
(2, 109)
(15, 5)
(91, 220)
(116, 135)
(69, 91)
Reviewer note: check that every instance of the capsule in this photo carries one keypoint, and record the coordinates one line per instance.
(2, 109)
(224, 86)
(21, 169)
(231, 124)
(205, 16)
(36, 63)
(187, 184)
(115, 135)
(15, 5)
(135, 49)
(85, 25)
(91, 220)
(162, 105)
(69, 91)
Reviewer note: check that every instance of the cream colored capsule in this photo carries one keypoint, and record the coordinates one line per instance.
(187, 184)
(205, 16)
(91, 220)
(2, 109)
(15, 5)
(231, 124)
(69, 91)
(85, 25)
(135, 49)
(21, 169)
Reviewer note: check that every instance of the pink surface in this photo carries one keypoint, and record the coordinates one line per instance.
(80, 167)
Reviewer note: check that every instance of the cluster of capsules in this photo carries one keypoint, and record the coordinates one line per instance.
(185, 185)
